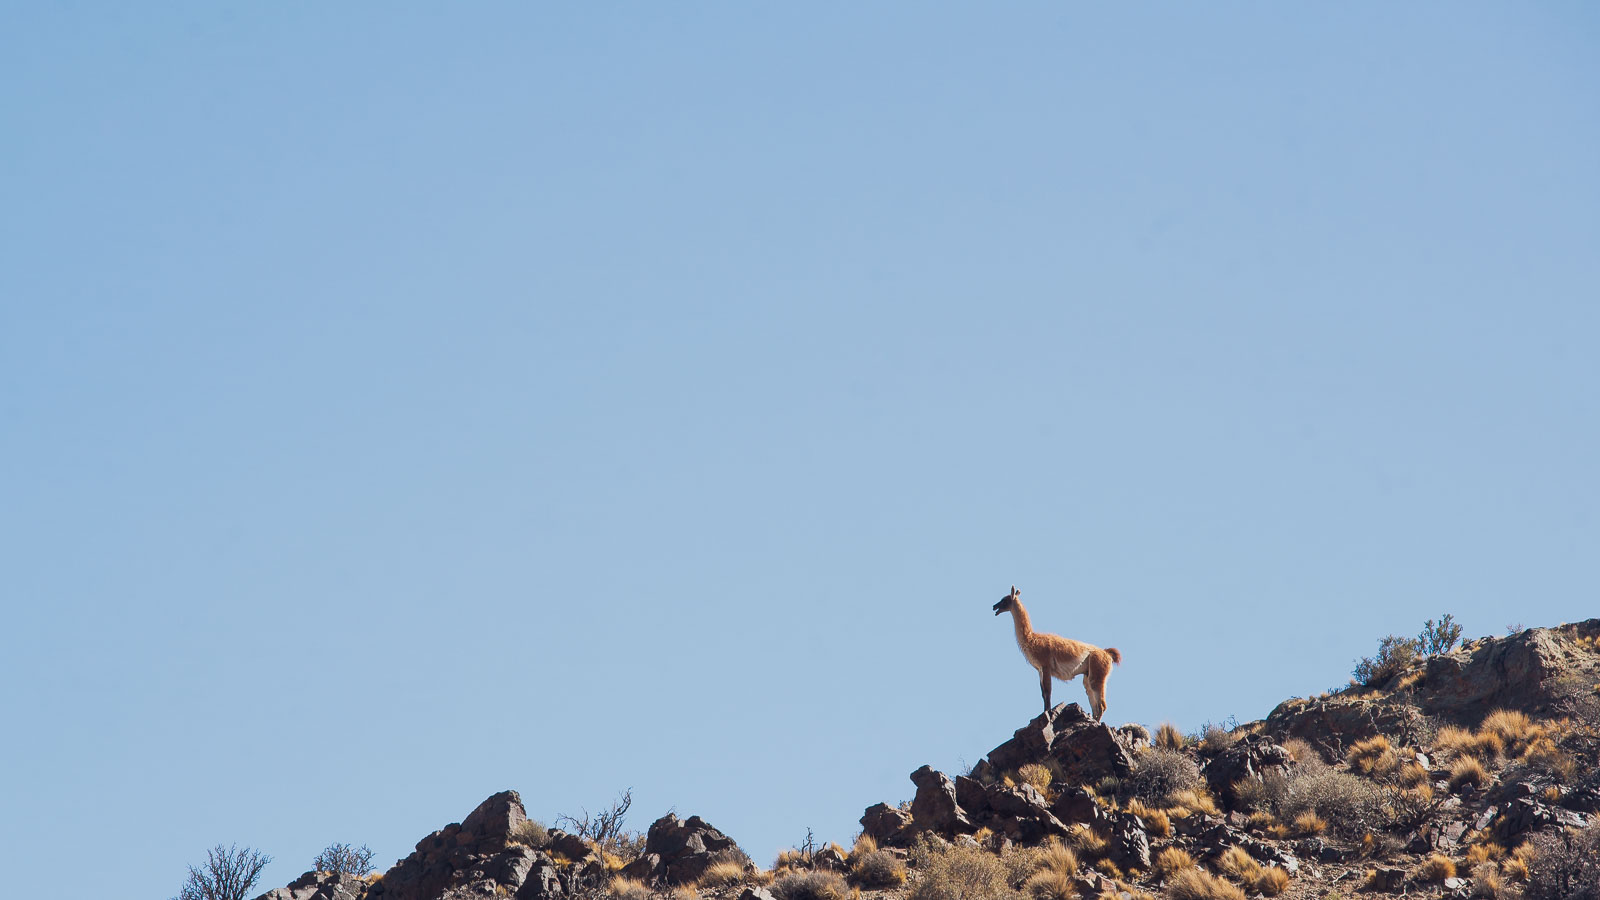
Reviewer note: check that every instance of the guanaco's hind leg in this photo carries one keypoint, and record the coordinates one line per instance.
(1044, 687)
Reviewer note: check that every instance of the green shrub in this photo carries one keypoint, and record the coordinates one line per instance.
(1439, 638)
(1395, 654)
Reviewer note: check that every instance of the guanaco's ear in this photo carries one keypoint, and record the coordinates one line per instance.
(1015, 592)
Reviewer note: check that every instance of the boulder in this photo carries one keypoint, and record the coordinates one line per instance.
(1532, 671)
(1031, 743)
(1085, 752)
(886, 824)
(495, 818)
(472, 857)
(935, 808)
(685, 849)
(1248, 758)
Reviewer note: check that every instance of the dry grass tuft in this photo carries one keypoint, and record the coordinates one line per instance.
(1036, 775)
(1107, 868)
(720, 873)
(1170, 862)
(684, 892)
(1300, 751)
(1486, 852)
(864, 844)
(816, 885)
(1437, 868)
(1197, 801)
(1058, 857)
(1050, 884)
(1198, 884)
(1238, 864)
(1468, 770)
(878, 869)
(1086, 842)
(1374, 757)
(1512, 727)
(1272, 881)
(530, 833)
(1309, 823)
(621, 888)
(1487, 881)
(1168, 737)
(1412, 775)
(1216, 739)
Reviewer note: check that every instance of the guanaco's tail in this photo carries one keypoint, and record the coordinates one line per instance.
(1115, 654)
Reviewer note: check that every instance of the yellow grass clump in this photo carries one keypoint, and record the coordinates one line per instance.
(1170, 862)
(1087, 842)
(1198, 884)
(1309, 823)
(1050, 884)
(1412, 774)
(621, 888)
(1272, 881)
(1036, 775)
(1196, 801)
(1168, 737)
(1437, 868)
(1513, 727)
(1374, 757)
(720, 873)
(1482, 853)
(1239, 865)
(1468, 770)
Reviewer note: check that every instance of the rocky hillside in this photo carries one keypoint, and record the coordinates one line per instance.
(1471, 773)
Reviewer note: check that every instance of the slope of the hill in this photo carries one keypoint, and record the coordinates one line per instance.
(1472, 773)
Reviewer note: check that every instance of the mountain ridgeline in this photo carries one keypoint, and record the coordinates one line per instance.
(1473, 772)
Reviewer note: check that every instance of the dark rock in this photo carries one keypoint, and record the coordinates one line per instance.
(1086, 752)
(496, 817)
(1249, 758)
(757, 893)
(1387, 879)
(1527, 814)
(543, 882)
(934, 808)
(568, 845)
(885, 824)
(1031, 743)
(1129, 846)
(1075, 806)
(689, 847)
(972, 796)
(320, 886)
(1020, 813)
(830, 859)
(1133, 737)
(648, 868)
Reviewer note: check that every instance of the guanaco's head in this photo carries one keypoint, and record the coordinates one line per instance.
(1008, 602)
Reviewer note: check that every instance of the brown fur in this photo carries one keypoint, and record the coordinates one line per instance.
(1057, 657)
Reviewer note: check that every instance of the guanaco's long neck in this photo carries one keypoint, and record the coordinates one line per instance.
(1019, 620)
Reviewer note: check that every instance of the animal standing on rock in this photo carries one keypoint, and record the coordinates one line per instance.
(1059, 657)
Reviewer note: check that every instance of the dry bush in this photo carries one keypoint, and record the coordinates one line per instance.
(1215, 740)
(958, 873)
(1301, 752)
(1272, 881)
(1395, 655)
(1437, 868)
(1564, 865)
(627, 889)
(813, 885)
(864, 844)
(724, 872)
(1351, 804)
(878, 869)
(1170, 862)
(1168, 737)
(1542, 755)
(1468, 770)
(1198, 884)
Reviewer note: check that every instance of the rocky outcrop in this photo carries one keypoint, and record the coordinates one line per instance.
(935, 808)
(1536, 671)
(679, 852)
(478, 858)
(320, 886)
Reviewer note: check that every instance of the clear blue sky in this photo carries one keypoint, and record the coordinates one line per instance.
(405, 402)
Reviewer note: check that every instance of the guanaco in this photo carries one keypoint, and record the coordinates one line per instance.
(1063, 658)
